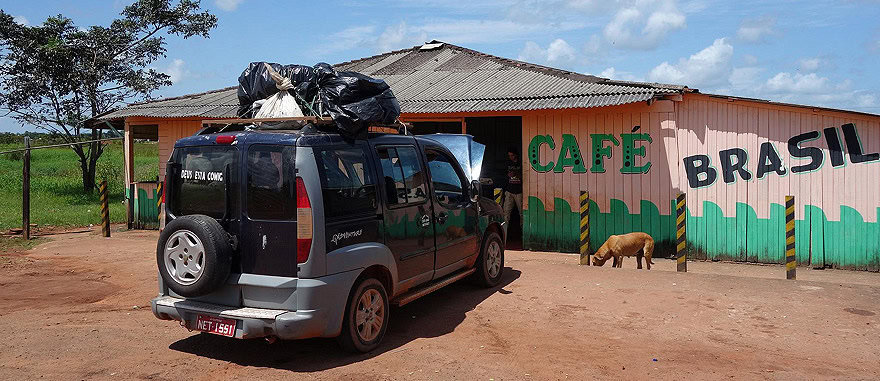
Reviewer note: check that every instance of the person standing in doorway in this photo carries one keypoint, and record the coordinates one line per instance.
(513, 192)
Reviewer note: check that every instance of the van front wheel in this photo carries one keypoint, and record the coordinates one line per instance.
(490, 264)
(366, 317)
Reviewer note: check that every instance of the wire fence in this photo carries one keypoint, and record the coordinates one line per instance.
(26, 176)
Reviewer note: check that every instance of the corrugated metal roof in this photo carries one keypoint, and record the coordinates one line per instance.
(444, 79)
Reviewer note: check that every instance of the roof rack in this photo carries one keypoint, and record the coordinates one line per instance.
(307, 119)
(210, 126)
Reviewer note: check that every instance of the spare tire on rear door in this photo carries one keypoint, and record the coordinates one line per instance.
(194, 255)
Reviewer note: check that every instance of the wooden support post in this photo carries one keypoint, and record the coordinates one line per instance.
(498, 194)
(26, 190)
(680, 234)
(128, 170)
(105, 210)
(585, 228)
(790, 259)
(129, 205)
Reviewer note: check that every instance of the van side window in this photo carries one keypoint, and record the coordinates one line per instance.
(403, 175)
(448, 184)
(269, 188)
(346, 181)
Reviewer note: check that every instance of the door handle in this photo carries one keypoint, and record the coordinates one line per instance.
(441, 218)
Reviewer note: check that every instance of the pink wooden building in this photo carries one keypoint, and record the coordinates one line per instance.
(633, 146)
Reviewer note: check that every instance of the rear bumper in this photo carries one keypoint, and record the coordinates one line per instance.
(316, 306)
(250, 322)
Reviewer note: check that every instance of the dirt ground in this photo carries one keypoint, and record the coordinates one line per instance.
(77, 307)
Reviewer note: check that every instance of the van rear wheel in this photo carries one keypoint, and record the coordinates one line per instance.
(194, 255)
(366, 317)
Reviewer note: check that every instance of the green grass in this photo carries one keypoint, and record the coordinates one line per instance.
(13, 244)
(57, 197)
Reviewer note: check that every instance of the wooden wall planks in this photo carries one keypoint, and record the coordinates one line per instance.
(835, 205)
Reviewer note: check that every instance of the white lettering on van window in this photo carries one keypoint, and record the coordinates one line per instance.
(188, 174)
(346, 235)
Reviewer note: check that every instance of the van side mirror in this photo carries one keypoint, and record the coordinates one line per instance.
(475, 190)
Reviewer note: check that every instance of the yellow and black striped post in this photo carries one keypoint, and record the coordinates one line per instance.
(498, 196)
(790, 260)
(159, 196)
(105, 210)
(160, 199)
(680, 236)
(585, 228)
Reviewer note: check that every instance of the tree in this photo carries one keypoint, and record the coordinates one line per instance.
(56, 76)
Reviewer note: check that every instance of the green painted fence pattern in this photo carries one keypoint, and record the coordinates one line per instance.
(849, 243)
(146, 213)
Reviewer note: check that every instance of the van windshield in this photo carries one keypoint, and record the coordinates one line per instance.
(200, 185)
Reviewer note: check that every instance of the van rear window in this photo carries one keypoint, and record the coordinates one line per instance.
(270, 183)
(201, 184)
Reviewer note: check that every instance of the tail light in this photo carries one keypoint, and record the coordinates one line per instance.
(303, 222)
(164, 190)
(225, 139)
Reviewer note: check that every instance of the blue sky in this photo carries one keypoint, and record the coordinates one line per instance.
(824, 53)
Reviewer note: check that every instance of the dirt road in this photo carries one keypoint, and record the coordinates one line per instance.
(78, 308)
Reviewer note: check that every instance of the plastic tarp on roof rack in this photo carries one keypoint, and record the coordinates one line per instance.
(468, 152)
(255, 83)
(354, 101)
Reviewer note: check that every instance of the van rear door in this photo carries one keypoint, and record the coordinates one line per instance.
(268, 226)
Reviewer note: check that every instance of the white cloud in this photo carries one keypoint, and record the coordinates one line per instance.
(454, 31)
(750, 59)
(707, 67)
(486, 31)
(756, 29)
(347, 38)
(866, 100)
(558, 52)
(873, 43)
(627, 24)
(594, 45)
(798, 88)
(810, 64)
(21, 20)
(399, 36)
(609, 72)
(798, 83)
(590, 6)
(644, 24)
(745, 78)
(228, 5)
(177, 70)
(695, 6)
(613, 73)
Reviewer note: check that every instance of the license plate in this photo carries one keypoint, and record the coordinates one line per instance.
(216, 325)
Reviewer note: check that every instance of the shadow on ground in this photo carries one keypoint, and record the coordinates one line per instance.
(431, 316)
